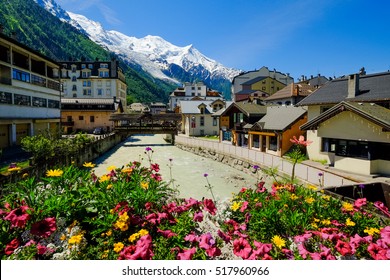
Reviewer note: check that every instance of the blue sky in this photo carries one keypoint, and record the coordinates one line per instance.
(300, 37)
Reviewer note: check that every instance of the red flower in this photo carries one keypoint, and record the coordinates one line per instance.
(213, 252)
(155, 167)
(242, 248)
(166, 233)
(343, 248)
(44, 228)
(12, 246)
(377, 252)
(141, 251)
(360, 202)
(209, 206)
(224, 236)
(18, 217)
(186, 254)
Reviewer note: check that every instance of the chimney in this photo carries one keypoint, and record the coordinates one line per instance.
(353, 85)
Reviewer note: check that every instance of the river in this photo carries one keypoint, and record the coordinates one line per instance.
(188, 170)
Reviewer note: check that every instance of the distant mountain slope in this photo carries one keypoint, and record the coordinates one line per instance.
(153, 54)
(40, 30)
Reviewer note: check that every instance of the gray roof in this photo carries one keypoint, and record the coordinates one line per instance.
(251, 109)
(246, 91)
(192, 106)
(254, 80)
(280, 117)
(372, 88)
(370, 111)
(220, 112)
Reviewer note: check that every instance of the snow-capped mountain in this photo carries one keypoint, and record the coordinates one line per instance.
(156, 56)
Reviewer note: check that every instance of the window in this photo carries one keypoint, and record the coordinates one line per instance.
(108, 91)
(215, 121)
(5, 97)
(74, 87)
(87, 92)
(81, 118)
(202, 132)
(74, 79)
(92, 118)
(328, 145)
(74, 68)
(103, 65)
(54, 104)
(201, 121)
(86, 83)
(69, 118)
(86, 74)
(273, 143)
(39, 102)
(90, 66)
(103, 74)
(202, 110)
(83, 66)
(99, 91)
(108, 83)
(21, 76)
(20, 99)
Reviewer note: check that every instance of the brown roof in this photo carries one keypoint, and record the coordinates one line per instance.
(292, 90)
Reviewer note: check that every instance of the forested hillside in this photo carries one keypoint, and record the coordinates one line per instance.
(40, 30)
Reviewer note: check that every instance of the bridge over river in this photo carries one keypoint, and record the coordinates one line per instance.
(147, 123)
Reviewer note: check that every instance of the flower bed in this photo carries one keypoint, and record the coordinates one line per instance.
(131, 213)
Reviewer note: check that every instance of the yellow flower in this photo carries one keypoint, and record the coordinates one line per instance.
(309, 200)
(124, 217)
(133, 237)
(118, 247)
(143, 232)
(122, 225)
(236, 205)
(313, 188)
(293, 196)
(349, 223)
(326, 197)
(278, 241)
(371, 231)
(109, 233)
(109, 186)
(75, 239)
(104, 178)
(316, 220)
(127, 170)
(54, 173)
(314, 225)
(145, 185)
(347, 206)
(25, 175)
(63, 237)
(110, 168)
(89, 164)
(326, 222)
(14, 169)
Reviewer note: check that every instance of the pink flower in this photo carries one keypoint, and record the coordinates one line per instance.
(191, 202)
(242, 248)
(302, 250)
(382, 207)
(41, 249)
(44, 228)
(155, 167)
(141, 251)
(166, 233)
(192, 237)
(360, 202)
(224, 236)
(343, 248)
(213, 252)
(206, 241)
(377, 252)
(244, 206)
(301, 141)
(18, 217)
(186, 254)
(385, 235)
(198, 216)
(152, 218)
(210, 206)
(261, 251)
(156, 177)
(12, 246)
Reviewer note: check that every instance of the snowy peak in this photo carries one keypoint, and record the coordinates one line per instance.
(154, 54)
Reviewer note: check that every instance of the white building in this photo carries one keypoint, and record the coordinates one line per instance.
(29, 92)
(195, 91)
(93, 79)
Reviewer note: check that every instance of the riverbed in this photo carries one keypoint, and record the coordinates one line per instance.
(190, 173)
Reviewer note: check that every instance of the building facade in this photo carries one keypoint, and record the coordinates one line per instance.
(192, 91)
(93, 79)
(29, 92)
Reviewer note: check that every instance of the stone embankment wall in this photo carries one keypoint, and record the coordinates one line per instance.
(243, 159)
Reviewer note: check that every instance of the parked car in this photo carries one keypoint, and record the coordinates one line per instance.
(98, 131)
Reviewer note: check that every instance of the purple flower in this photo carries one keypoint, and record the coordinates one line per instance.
(320, 174)
(205, 175)
(361, 186)
(148, 149)
(256, 167)
(170, 159)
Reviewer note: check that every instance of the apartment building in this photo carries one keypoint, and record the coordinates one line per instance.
(29, 92)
